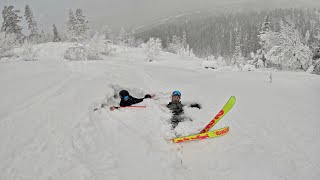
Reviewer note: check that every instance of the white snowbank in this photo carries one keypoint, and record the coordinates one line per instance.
(210, 64)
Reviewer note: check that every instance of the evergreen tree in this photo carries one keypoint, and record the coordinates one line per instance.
(316, 46)
(265, 26)
(7, 43)
(122, 37)
(184, 40)
(108, 33)
(32, 24)
(153, 48)
(261, 53)
(77, 25)
(71, 25)
(56, 37)
(11, 20)
(81, 25)
(237, 57)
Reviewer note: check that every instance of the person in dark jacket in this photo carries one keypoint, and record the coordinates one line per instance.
(128, 100)
(176, 108)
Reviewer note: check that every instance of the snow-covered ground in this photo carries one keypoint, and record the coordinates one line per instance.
(48, 129)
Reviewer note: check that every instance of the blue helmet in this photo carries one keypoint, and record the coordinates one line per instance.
(124, 94)
(176, 93)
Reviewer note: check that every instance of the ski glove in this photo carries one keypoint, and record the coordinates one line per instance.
(147, 96)
(195, 105)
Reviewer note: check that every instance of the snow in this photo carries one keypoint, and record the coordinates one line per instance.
(48, 129)
(210, 64)
(248, 67)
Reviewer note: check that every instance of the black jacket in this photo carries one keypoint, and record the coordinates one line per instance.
(130, 101)
(175, 107)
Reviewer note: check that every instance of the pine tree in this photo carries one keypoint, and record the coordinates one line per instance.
(107, 33)
(265, 25)
(307, 37)
(7, 43)
(32, 24)
(77, 25)
(56, 37)
(71, 25)
(316, 46)
(11, 21)
(237, 57)
(81, 25)
(184, 40)
(153, 48)
(261, 53)
(122, 37)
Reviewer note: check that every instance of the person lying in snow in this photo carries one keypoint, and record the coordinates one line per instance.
(127, 100)
(176, 108)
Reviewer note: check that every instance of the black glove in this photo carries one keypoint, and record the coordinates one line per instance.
(147, 96)
(195, 105)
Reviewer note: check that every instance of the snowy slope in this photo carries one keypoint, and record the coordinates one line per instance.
(48, 129)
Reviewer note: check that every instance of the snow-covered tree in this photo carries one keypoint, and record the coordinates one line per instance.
(81, 25)
(122, 37)
(77, 25)
(316, 53)
(265, 25)
(174, 45)
(71, 25)
(180, 46)
(286, 48)
(237, 58)
(7, 43)
(153, 48)
(184, 39)
(11, 20)
(108, 35)
(260, 59)
(32, 24)
(56, 37)
(132, 41)
(28, 53)
(316, 46)
(100, 44)
(307, 37)
(44, 37)
(80, 52)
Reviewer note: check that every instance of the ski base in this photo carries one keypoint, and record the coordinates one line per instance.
(201, 136)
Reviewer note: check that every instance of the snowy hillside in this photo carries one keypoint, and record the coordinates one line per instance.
(48, 129)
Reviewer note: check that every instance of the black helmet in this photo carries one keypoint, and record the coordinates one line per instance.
(123, 93)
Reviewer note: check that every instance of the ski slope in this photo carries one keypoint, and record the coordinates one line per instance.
(48, 129)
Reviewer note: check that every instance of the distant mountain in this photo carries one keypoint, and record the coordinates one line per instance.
(207, 8)
(209, 34)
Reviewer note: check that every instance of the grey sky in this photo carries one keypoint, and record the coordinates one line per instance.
(130, 13)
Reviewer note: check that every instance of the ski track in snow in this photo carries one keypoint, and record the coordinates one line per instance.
(48, 129)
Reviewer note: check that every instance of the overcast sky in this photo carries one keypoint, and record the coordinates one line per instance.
(130, 13)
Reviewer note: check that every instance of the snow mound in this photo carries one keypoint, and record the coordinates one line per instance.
(210, 64)
(81, 52)
(248, 67)
(52, 50)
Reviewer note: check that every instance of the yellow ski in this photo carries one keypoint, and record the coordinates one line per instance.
(206, 135)
(223, 112)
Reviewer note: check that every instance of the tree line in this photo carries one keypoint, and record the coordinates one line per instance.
(217, 35)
